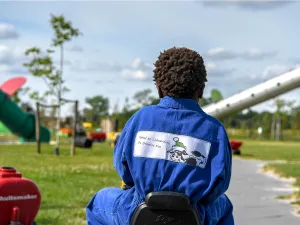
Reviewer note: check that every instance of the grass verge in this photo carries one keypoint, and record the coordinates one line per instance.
(66, 183)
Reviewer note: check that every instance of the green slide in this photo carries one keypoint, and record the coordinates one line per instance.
(4, 129)
(18, 122)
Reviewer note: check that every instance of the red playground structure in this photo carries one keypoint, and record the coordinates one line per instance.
(20, 198)
(236, 146)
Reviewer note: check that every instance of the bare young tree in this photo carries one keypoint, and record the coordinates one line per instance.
(42, 65)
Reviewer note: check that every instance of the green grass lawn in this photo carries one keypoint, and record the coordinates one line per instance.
(271, 150)
(283, 158)
(68, 183)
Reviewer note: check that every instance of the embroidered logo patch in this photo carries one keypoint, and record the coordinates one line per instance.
(175, 148)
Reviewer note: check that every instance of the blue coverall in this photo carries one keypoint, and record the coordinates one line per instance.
(172, 146)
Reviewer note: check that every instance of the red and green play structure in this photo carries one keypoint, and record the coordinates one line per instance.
(14, 118)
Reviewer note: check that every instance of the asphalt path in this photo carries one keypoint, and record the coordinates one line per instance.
(253, 196)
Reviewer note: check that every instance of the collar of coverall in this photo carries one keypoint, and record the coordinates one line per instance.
(180, 103)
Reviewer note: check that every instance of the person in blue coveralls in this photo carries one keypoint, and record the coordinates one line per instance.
(171, 146)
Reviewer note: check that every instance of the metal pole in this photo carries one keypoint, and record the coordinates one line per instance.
(255, 95)
(74, 128)
(37, 128)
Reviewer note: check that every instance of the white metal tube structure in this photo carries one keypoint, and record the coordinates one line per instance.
(255, 95)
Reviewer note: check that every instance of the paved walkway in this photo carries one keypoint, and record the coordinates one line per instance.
(253, 193)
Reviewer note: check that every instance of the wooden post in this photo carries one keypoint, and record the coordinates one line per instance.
(37, 128)
(74, 128)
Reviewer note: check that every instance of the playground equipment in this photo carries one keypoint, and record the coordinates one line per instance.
(81, 139)
(4, 129)
(97, 136)
(236, 146)
(113, 138)
(20, 198)
(67, 132)
(87, 125)
(253, 96)
(12, 116)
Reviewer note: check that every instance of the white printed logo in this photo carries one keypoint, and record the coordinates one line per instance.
(176, 148)
(16, 198)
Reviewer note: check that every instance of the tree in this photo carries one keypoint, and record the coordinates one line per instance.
(21, 92)
(155, 101)
(216, 95)
(26, 107)
(116, 108)
(98, 107)
(295, 119)
(53, 110)
(279, 117)
(205, 101)
(265, 122)
(143, 97)
(42, 64)
(126, 106)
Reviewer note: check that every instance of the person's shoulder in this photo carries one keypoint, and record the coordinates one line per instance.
(214, 121)
(146, 109)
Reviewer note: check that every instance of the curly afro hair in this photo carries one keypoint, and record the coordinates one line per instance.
(179, 72)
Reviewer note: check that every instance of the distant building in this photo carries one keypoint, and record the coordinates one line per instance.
(109, 125)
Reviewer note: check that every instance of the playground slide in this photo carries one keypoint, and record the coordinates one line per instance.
(18, 122)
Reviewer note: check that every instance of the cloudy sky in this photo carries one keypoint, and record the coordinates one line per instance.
(243, 43)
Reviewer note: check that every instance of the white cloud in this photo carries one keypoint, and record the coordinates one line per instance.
(4, 68)
(257, 5)
(256, 54)
(6, 55)
(251, 54)
(214, 71)
(76, 48)
(277, 69)
(11, 55)
(8, 31)
(136, 63)
(274, 70)
(11, 60)
(220, 54)
(134, 74)
(138, 70)
(80, 66)
(210, 66)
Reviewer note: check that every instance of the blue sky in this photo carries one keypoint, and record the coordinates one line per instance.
(243, 43)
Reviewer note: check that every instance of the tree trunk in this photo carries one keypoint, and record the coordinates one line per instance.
(37, 128)
(278, 128)
(273, 129)
(59, 100)
(75, 121)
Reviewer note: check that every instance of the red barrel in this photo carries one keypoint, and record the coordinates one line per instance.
(20, 198)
